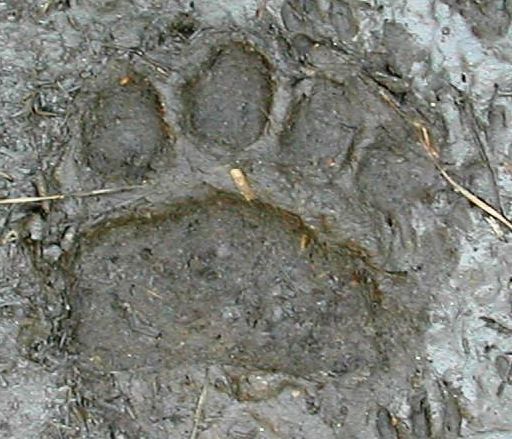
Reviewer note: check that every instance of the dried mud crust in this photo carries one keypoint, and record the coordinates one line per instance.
(228, 104)
(122, 129)
(219, 282)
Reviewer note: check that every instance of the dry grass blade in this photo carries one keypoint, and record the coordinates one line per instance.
(242, 184)
(433, 154)
(199, 408)
(427, 143)
(472, 198)
(98, 192)
(475, 200)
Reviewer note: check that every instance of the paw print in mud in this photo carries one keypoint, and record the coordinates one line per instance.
(255, 219)
(195, 276)
(223, 281)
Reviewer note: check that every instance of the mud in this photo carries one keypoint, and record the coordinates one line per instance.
(230, 105)
(123, 131)
(354, 294)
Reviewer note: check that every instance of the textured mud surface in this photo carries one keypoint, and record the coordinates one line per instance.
(351, 293)
(123, 131)
(226, 258)
(230, 104)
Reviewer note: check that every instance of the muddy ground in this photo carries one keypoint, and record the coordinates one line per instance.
(345, 291)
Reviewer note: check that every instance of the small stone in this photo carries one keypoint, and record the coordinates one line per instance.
(52, 253)
(36, 227)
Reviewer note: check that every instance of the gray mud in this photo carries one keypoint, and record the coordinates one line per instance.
(348, 293)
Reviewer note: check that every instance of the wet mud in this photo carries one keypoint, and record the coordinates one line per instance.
(122, 131)
(229, 106)
(337, 288)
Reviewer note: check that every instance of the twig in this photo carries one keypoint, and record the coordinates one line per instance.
(158, 66)
(199, 409)
(433, 154)
(472, 198)
(97, 192)
(475, 200)
(242, 184)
